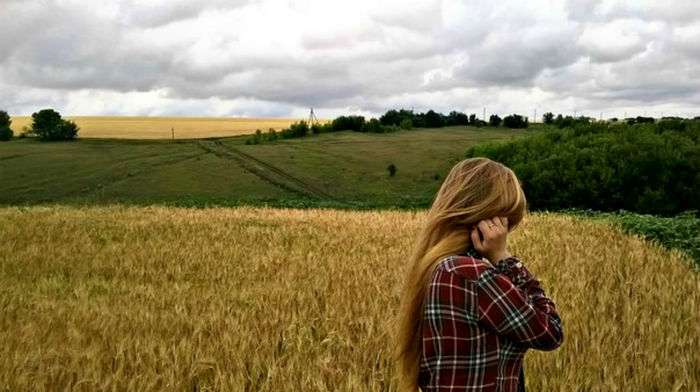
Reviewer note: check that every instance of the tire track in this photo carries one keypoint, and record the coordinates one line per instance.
(303, 184)
(211, 147)
(265, 171)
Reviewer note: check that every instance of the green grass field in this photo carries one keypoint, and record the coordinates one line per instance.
(342, 169)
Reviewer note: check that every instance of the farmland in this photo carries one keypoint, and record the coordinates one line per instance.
(345, 169)
(156, 298)
(124, 127)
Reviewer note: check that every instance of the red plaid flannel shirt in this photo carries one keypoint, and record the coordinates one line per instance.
(479, 320)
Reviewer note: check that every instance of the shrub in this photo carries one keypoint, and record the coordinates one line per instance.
(434, 119)
(391, 128)
(348, 123)
(495, 120)
(47, 124)
(271, 135)
(392, 169)
(515, 121)
(457, 118)
(406, 124)
(548, 118)
(373, 125)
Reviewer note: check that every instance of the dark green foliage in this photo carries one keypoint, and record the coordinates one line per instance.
(606, 167)
(396, 117)
(297, 129)
(434, 119)
(457, 118)
(406, 124)
(569, 121)
(373, 125)
(671, 124)
(48, 125)
(5, 130)
(495, 120)
(676, 232)
(392, 169)
(639, 120)
(548, 118)
(515, 121)
(348, 123)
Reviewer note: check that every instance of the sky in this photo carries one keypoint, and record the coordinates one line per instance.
(274, 58)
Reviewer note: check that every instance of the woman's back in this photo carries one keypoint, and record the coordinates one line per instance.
(479, 320)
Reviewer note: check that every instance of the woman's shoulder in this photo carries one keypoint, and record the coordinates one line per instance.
(466, 266)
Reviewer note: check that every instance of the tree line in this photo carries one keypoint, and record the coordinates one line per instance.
(391, 121)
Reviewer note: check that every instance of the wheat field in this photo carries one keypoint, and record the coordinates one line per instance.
(125, 127)
(261, 299)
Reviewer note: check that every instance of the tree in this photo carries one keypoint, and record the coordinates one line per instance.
(352, 123)
(548, 118)
(392, 117)
(515, 121)
(457, 118)
(392, 169)
(47, 124)
(494, 120)
(5, 130)
(373, 125)
(434, 119)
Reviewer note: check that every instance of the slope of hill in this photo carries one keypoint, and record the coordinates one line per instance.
(343, 169)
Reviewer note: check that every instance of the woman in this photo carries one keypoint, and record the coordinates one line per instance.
(470, 309)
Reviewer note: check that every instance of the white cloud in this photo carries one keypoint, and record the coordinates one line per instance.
(269, 57)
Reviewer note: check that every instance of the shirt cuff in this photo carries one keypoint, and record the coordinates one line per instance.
(513, 268)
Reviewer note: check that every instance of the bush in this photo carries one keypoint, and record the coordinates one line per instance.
(271, 135)
(373, 125)
(548, 118)
(5, 130)
(495, 120)
(457, 118)
(434, 119)
(406, 124)
(348, 123)
(47, 124)
(515, 121)
(392, 169)
(606, 167)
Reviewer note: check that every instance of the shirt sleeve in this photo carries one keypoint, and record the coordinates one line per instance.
(511, 302)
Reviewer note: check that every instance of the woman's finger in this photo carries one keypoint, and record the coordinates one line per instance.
(475, 238)
(501, 220)
(485, 226)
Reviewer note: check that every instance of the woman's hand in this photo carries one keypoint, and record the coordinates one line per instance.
(494, 232)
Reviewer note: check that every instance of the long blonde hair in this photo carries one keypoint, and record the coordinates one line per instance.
(475, 189)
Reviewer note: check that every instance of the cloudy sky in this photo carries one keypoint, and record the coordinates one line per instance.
(273, 58)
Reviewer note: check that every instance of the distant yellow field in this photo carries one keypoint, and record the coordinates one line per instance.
(124, 127)
(258, 299)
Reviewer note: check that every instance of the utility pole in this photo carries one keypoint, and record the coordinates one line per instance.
(484, 116)
(312, 117)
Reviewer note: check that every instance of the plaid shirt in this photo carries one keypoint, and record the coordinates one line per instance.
(478, 322)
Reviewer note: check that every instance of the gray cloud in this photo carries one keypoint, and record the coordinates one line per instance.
(278, 57)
